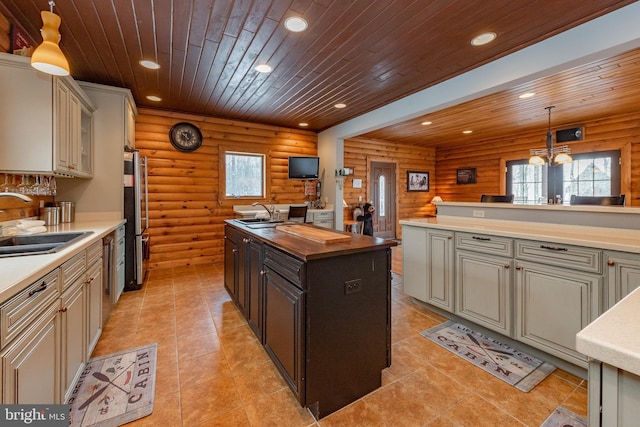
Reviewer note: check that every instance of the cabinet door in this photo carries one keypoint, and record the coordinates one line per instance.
(483, 290)
(230, 262)
(553, 305)
(74, 114)
(242, 271)
(284, 328)
(254, 288)
(94, 305)
(85, 160)
(130, 131)
(73, 336)
(31, 364)
(428, 265)
(61, 134)
(623, 275)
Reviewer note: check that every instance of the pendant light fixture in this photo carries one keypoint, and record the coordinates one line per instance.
(559, 155)
(48, 57)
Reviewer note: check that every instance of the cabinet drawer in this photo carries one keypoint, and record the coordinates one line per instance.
(72, 269)
(322, 215)
(25, 307)
(485, 243)
(576, 257)
(287, 266)
(325, 223)
(94, 253)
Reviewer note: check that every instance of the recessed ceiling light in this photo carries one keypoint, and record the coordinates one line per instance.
(303, 124)
(147, 63)
(466, 132)
(340, 105)
(264, 68)
(484, 38)
(295, 24)
(526, 95)
(154, 98)
(425, 123)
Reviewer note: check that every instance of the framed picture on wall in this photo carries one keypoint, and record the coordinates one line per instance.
(466, 176)
(417, 181)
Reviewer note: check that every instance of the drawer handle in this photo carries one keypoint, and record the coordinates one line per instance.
(486, 239)
(553, 248)
(41, 288)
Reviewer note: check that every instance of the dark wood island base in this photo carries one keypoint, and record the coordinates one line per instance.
(322, 311)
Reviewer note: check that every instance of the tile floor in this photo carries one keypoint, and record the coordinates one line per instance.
(212, 371)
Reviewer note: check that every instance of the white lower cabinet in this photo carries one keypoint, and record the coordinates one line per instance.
(31, 363)
(613, 396)
(483, 290)
(553, 305)
(48, 331)
(622, 274)
(428, 266)
(72, 315)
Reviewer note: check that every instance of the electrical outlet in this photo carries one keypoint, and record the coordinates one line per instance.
(478, 214)
(352, 286)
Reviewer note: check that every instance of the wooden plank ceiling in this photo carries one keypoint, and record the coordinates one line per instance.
(362, 53)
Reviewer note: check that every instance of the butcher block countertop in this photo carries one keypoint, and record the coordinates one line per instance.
(309, 247)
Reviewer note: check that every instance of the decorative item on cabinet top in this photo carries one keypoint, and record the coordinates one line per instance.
(185, 137)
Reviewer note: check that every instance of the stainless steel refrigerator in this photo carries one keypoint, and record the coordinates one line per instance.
(136, 212)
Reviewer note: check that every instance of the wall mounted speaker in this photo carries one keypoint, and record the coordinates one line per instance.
(572, 134)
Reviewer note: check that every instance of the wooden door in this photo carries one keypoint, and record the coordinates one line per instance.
(383, 196)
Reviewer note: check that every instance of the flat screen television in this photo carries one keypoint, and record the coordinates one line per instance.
(303, 167)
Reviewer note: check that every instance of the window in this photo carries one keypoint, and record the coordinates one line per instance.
(381, 192)
(244, 175)
(590, 174)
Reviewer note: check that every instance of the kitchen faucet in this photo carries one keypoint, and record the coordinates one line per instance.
(269, 211)
(22, 197)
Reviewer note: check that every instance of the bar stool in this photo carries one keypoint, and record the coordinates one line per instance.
(353, 226)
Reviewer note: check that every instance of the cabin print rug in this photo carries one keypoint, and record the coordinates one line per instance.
(562, 417)
(520, 370)
(115, 389)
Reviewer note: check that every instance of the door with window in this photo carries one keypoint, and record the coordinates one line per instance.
(383, 192)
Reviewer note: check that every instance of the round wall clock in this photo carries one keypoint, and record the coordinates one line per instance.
(185, 136)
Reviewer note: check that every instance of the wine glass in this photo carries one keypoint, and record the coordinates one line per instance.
(23, 187)
(6, 187)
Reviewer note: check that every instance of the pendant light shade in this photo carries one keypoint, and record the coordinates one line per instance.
(48, 57)
(559, 155)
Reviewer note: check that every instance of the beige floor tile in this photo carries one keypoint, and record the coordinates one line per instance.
(213, 371)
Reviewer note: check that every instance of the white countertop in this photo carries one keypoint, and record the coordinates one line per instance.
(616, 239)
(16, 273)
(613, 338)
(249, 211)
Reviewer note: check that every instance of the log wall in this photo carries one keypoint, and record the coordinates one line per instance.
(489, 157)
(186, 207)
(358, 154)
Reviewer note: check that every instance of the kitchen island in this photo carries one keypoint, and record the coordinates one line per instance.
(322, 311)
(527, 272)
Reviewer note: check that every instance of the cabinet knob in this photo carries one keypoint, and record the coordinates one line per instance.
(506, 266)
(63, 310)
(262, 272)
(611, 263)
(518, 267)
(234, 250)
(245, 240)
(449, 237)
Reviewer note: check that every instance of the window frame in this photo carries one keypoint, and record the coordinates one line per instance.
(222, 169)
(554, 175)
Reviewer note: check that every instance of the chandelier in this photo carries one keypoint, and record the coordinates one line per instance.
(559, 155)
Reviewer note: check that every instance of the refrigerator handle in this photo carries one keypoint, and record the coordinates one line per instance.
(146, 192)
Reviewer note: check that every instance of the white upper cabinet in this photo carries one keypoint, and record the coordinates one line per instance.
(45, 122)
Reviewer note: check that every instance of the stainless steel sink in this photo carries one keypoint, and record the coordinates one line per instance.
(38, 243)
(258, 220)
